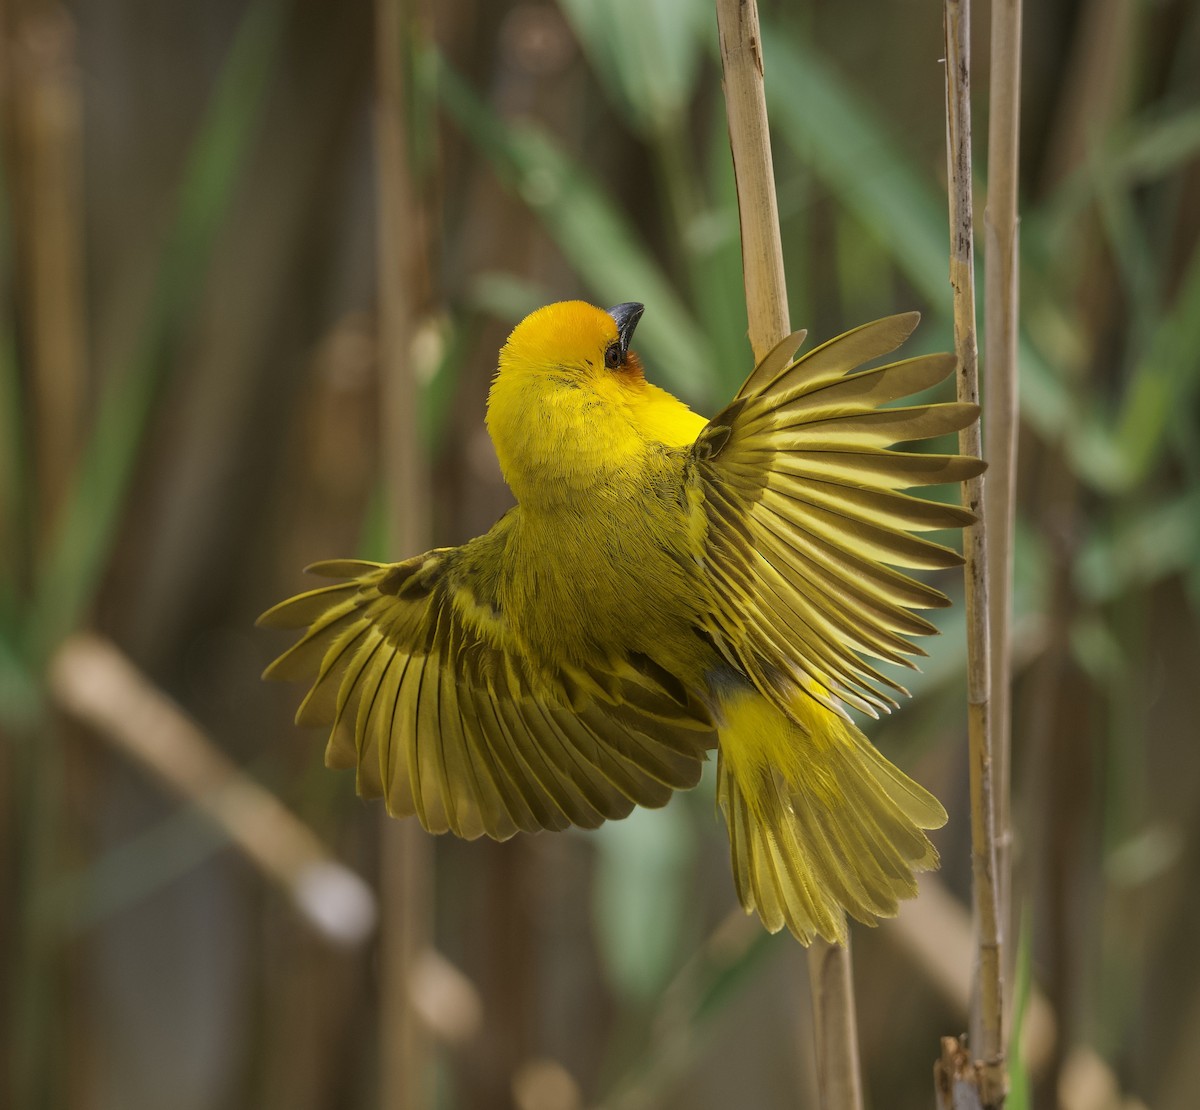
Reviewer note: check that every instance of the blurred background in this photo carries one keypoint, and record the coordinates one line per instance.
(190, 412)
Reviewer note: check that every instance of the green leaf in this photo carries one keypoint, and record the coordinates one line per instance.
(1162, 393)
(645, 53)
(1148, 543)
(1143, 151)
(819, 115)
(1020, 1090)
(1159, 147)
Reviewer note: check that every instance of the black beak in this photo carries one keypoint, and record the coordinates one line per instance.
(627, 316)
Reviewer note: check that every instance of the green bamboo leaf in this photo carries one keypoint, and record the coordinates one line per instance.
(84, 537)
(591, 232)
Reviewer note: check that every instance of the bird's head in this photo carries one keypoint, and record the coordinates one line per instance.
(574, 342)
(567, 398)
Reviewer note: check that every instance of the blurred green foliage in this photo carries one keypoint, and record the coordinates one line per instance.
(581, 149)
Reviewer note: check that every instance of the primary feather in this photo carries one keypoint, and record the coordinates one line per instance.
(663, 586)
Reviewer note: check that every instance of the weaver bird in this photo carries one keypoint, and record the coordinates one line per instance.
(664, 585)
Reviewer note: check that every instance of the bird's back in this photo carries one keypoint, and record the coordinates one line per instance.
(613, 574)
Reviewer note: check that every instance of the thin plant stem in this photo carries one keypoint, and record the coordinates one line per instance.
(987, 1020)
(750, 143)
(42, 117)
(407, 858)
(1000, 313)
(838, 1072)
(48, 224)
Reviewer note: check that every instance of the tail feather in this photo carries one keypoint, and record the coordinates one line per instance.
(820, 824)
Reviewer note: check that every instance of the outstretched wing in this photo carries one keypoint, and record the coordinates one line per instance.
(804, 518)
(428, 695)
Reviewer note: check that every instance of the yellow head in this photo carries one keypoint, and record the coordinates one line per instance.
(576, 339)
(569, 406)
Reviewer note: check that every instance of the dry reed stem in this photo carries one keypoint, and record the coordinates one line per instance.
(987, 1023)
(46, 327)
(955, 1080)
(838, 1072)
(935, 932)
(1097, 72)
(97, 685)
(750, 142)
(93, 681)
(544, 1084)
(1001, 305)
(406, 878)
(45, 159)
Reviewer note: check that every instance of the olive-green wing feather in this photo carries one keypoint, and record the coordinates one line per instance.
(428, 694)
(804, 518)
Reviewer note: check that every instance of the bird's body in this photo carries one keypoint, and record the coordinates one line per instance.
(664, 585)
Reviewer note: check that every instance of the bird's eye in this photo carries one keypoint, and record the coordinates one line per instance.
(612, 356)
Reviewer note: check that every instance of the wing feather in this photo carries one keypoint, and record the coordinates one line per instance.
(381, 763)
(366, 719)
(869, 388)
(430, 694)
(844, 352)
(806, 519)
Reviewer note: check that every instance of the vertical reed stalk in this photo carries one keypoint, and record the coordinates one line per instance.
(767, 308)
(47, 220)
(986, 1070)
(407, 858)
(1001, 305)
(43, 180)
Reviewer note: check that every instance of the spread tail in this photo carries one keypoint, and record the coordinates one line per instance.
(820, 824)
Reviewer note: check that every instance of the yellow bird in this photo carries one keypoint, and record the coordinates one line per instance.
(665, 585)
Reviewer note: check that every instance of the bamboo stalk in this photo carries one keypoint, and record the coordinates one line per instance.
(1001, 305)
(987, 1025)
(838, 1072)
(407, 856)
